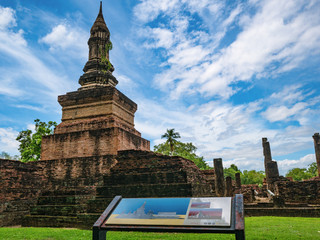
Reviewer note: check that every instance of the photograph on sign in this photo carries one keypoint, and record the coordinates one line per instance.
(171, 211)
(209, 212)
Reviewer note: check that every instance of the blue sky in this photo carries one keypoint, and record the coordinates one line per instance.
(224, 74)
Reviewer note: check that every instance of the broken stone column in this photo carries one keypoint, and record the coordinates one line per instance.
(229, 190)
(219, 181)
(316, 139)
(271, 167)
(238, 183)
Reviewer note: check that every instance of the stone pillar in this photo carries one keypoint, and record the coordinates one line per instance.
(271, 167)
(219, 181)
(316, 139)
(266, 154)
(238, 183)
(229, 190)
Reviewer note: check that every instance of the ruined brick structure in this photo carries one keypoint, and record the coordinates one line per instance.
(20, 185)
(97, 119)
(271, 167)
(316, 139)
(96, 153)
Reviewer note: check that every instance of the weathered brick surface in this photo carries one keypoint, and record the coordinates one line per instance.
(90, 143)
(95, 102)
(283, 212)
(299, 191)
(20, 185)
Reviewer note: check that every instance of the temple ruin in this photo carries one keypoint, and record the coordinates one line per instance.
(96, 153)
(97, 119)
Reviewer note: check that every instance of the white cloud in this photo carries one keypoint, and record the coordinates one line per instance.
(232, 132)
(8, 141)
(286, 164)
(14, 46)
(67, 38)
(150, 9)
(7, 18)
(283, 113)
(33, 108)
(292, 103)
(276, 39)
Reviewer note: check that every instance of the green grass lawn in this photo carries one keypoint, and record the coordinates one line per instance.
(256, 228)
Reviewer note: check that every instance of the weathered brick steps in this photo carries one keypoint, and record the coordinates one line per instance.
(270, 205)
(67, 192)
(146, 177)
(58, 210)
(54, 210)
(147, 190)
(283, 212)
(98, 205)
(63, 200)
(50, 221)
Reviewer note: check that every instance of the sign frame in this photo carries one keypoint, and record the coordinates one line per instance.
(100, 229)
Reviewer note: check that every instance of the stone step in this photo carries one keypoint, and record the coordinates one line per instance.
(51, 221)
(151, 178)
(86, 220)
(98, 205)
(58, 210)
(146, 164)
(68, 192)
(283, 212)
(146, 190)
(258, 205)
(145, 167)
(63, 200)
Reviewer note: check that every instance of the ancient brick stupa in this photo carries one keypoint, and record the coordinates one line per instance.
(97, 119)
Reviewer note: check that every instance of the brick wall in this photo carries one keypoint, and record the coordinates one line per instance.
(299, 191)
(20, 184)
(90, 143)
(83, 172)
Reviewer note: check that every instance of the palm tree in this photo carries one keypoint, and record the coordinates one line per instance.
(171, 136)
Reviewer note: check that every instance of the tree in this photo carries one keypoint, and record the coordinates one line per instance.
(30, 143)
(299, 174)
(312, 169)
(5, 155)
(252, 177)
(185, 150)
(231, 171)
(171, 136)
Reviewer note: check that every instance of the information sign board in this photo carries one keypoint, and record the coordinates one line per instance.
(189, 215)
(172, 211)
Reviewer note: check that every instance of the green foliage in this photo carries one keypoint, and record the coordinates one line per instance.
(109, 46)
(299, 174)
(252, 177)
(104, 60)
(247, 177)
(231, 171)
(185, 150)
(171, 137)
(312, 169)
(30, 143)
(5, 155)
